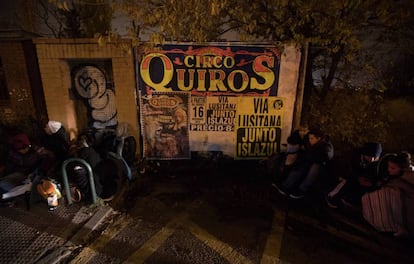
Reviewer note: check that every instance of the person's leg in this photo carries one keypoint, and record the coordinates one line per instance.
(293, 178)
(276, 167)
(12, 180)
(35, 196)
(353, 193)
(308, 180)
(333, 198)
(11, 186)
(312, 177)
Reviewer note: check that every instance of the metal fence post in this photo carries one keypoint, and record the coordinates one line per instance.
(66, 181)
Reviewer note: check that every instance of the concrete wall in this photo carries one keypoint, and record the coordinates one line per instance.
(54, 56)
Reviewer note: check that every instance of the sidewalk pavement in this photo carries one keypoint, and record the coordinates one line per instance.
(40, 236)
(156, 231)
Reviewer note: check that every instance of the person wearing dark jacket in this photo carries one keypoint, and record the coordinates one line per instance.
(296, 143)
(363, 178)
(105, 171)
(78, 173)
(22, 160)
(56, 139)
(308, 168)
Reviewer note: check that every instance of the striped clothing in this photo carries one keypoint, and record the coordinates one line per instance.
(391, 207)
(383, 209)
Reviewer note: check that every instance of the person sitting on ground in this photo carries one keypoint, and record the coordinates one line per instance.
(363, 178)
(389, 209)
(296, 142)
(22, 160)
(308, 169)
(105, 171)
(78, 173)
(279, 165)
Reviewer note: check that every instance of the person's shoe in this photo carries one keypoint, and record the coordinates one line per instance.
(298, 194)
(331, 202)
(52, 208)
(279, 189)
(401, 233)
(108, 199)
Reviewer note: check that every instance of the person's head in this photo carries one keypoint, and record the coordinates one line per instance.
(397, 164)
(315, 135)
(371, 151)
(21, 143)
(84, 141)
(303, 129)
(51, 127)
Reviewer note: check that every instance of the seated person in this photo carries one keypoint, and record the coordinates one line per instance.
(56, 140)
(389, 209)
(279, 165)
(22, 160)
(78, 173)
(364, 177)
(296, 142)
(105, 171)
(308, 168)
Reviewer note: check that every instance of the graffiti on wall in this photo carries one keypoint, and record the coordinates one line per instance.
(90, 83)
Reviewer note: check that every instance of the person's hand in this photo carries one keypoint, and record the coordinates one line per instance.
(381, 182)
(40, 150)
(364, 182)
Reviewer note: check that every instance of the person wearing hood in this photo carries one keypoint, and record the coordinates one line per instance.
(56, 139)
(23, 159)
(78, 173)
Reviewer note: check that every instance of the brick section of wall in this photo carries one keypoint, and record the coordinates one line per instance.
(20, 105)
(53, 55)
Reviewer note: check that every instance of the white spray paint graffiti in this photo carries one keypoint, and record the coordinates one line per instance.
(90, 83)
